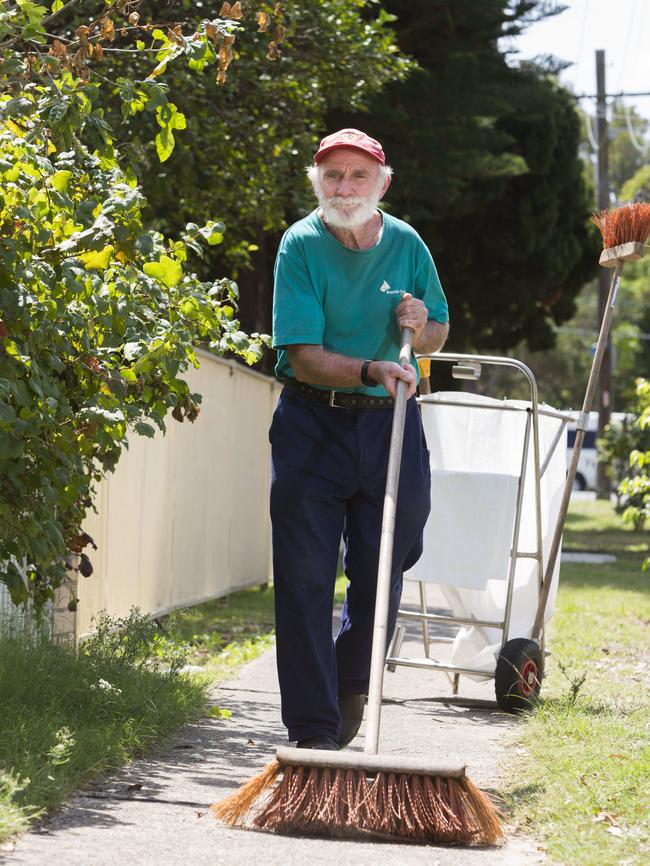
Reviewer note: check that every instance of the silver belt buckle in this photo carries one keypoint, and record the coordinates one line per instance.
(332, 399)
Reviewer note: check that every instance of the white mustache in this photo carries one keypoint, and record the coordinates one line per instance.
(342, 201)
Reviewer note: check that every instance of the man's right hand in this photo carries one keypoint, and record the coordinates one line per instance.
(387, 373)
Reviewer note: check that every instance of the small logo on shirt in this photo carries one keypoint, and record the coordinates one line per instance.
(386, 289)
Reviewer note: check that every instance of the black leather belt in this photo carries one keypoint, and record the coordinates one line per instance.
(339, 399)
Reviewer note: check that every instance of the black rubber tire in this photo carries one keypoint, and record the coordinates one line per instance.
(518, 675)
(579, 482)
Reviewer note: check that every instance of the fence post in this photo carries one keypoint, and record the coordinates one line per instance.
(64, 611)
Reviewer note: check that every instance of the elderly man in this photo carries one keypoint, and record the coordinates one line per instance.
(347, 278)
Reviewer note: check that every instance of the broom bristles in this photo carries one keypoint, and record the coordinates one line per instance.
(234, 809)
(621, 225)
(487, 813)
(346, 802)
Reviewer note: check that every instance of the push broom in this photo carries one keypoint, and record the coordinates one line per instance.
(371, 794)
(625, 230)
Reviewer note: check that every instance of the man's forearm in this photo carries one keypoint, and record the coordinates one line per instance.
(432, 338)
(313, 365)
(316, 366)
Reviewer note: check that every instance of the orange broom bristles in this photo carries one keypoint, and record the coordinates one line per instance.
(346, 802)
(631, 222)
(233, 810)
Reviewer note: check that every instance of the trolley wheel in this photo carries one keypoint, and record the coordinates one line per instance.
(579, 482)
(518, 675)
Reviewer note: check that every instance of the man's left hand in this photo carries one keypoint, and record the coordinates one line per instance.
(412, 313)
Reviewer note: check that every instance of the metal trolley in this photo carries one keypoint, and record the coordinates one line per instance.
(520, 661)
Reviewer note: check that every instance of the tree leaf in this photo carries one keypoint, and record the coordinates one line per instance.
(130, 352)
(144, 429)
(166, 270)
(97, 260)
(60, 180)
(7, 413)
(165, 144)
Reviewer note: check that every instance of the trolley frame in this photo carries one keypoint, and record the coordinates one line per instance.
(533, 412)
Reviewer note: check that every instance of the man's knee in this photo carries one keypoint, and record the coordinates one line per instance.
(414, 553)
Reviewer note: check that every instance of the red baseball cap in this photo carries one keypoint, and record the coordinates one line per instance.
(350, 138)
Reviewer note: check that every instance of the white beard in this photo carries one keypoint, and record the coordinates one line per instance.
(347, 212)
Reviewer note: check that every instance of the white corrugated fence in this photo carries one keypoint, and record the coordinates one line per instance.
(184, 518)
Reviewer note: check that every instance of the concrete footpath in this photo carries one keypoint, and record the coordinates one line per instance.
(156, 811)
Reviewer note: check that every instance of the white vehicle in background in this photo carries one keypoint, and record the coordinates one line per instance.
(587, 465)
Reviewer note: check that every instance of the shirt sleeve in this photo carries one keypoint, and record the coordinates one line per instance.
(297, 308)
(428, 287)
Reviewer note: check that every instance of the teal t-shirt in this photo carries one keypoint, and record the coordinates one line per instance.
(343, 299)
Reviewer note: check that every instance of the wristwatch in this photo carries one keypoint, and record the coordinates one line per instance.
(366, 379)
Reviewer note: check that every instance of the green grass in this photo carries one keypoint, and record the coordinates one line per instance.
(67, 716)
(224, 633)
(14, 817)
(584, 784)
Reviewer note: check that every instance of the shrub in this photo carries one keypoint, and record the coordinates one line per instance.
(635, 488)
(98, 316)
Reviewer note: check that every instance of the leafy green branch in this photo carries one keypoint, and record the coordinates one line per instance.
(634, 489)
(99, 316)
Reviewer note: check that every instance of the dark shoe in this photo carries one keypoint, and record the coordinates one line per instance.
(351, 708)
(327, 743)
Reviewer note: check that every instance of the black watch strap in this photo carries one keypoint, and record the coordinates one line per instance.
(365, 378)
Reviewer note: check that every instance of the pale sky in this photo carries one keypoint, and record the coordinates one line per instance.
(620, 27)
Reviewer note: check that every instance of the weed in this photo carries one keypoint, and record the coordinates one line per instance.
(576, 682)
(132, 642)
(67, 715)
(13, 817)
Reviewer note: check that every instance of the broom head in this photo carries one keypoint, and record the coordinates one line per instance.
(625, 230)
(349, 794)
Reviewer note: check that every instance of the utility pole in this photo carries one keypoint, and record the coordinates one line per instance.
(605, 396)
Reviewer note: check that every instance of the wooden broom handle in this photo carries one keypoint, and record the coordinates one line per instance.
(380, 628)
(581, 427)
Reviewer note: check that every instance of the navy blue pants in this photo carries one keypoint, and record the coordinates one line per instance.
(328, 481)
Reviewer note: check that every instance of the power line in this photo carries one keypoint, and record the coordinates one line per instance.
(631, 17)
(581, 41)
(628, 122)
(590, 131)
(610, 95)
